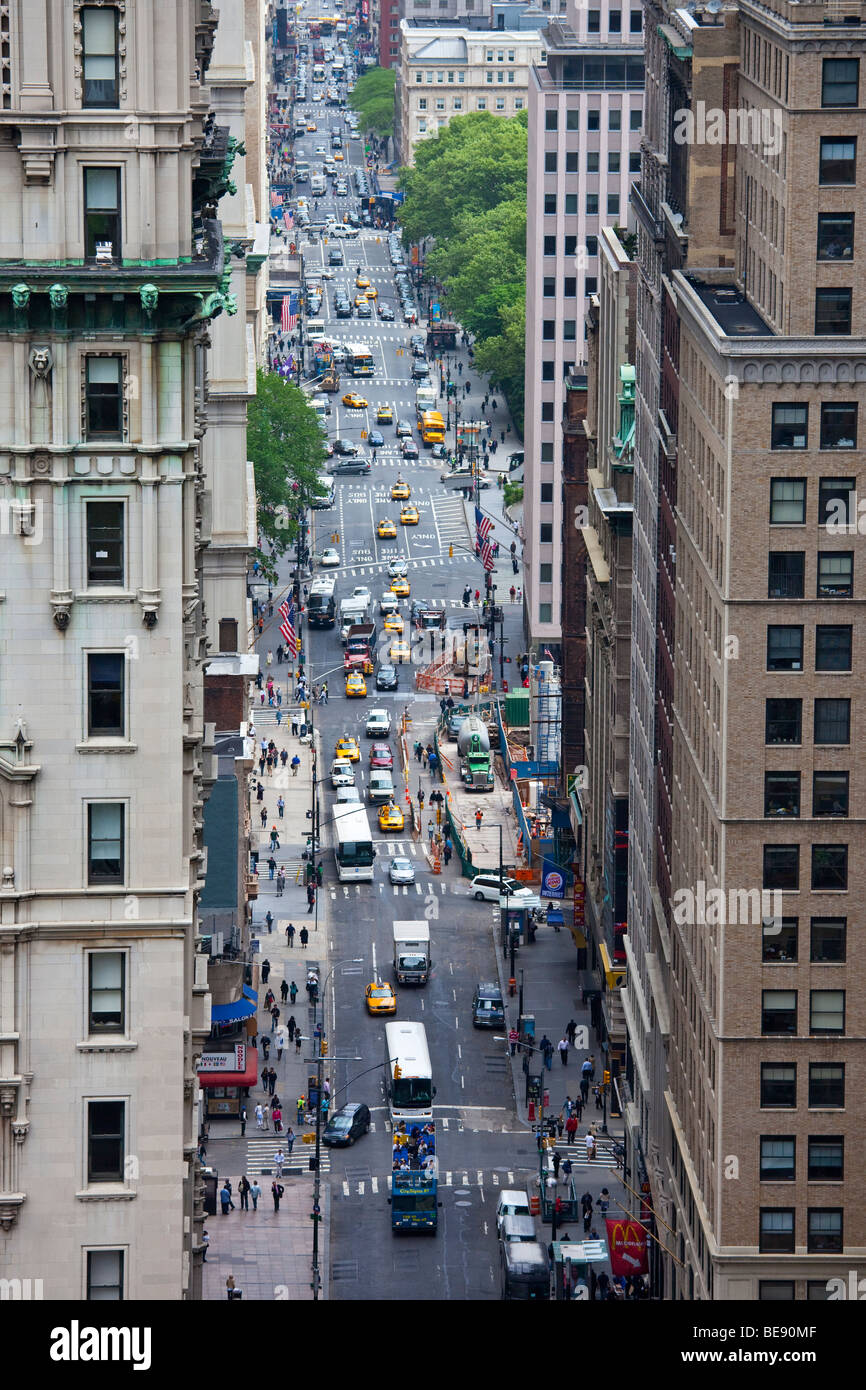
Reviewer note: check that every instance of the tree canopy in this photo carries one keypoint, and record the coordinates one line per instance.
(468, 191)
(288, 454)
(373, 99)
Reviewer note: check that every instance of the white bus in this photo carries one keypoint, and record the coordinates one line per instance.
(409, 1095)
(359, 359)
(353, 844)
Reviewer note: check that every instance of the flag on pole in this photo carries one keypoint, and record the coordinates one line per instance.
(483, 527)
(289, 313)
(289, 220)
(287, 626)
(276, 200)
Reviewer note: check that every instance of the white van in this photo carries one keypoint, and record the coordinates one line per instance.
(511, 1203)
(380, 787)
(342, 773)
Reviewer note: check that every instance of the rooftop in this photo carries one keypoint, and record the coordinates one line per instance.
(731, 310)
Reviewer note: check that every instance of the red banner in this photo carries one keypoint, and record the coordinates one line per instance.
(626, 1241)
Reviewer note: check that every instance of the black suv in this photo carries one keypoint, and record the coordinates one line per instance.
(488, 1010)
(347, 1125)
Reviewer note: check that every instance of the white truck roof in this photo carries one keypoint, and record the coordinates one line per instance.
(412, 931)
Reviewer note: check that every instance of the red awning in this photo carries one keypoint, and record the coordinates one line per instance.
(233, 1078)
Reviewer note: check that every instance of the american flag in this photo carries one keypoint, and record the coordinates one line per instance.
(289, 220)
(289, 313)
(276, 200)
(483, 527)
(287, 626)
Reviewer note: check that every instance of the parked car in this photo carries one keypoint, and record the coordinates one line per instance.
(489, 887)
(347, 1124)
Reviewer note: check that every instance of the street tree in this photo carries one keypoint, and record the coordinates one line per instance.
(288, 454)
(473, 164)
(373, 99)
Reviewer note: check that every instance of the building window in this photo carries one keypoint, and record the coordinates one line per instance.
(569, 330)
(511, 55)
(550, 204)
(833, 648)
(837, 502)
(829, 868)
(826, 1085)
(419, 77)
(840, 81)
(830, 794)
(104, 398)
(440, 77)
(545, 612)
(778, 1158)
(547, 411)
(422, 127)
(518, 103)
(99, 56)
(500, 103)
(828, 942)
(548, 329)
(550, 162)
(482, 104)
(593, 21)
(782, 866)
(777, 1230)
(490, 55)
(590, 284)
(614, 119)
(784, 648)
(613, 204)
(838, 160)
(572, 119)
(105, 851)
(787, 500)
(547, 492)
(778, 1085)
(787, 573)
(458, 103)
(634, 161)
(778, 1011)
(592, 158)
(826, 1158)
(422, 103)
(550, 246)
(835, 236)
(105, 559)
(551, 120)
(450, 75)
(105, 694)
(461, 76)
(500, 77)
(591, 204)
(546, 455)
(824, 1225)
(569, 286)
(790, 427)
(781, 793)
(102, 214)
(545, 574)
(593, 120)
(570, 246)
(549, 289)
(839, 425)
(228, 635)
(547, 371)
(545, 532)
(835, 573)
(105, 1276)
(635, 119)
(592, 245)
(779, 940)
(784, 721)
(105, 1125)
(106, 1005)
(440, 103)
(614, 21)
(571, 204)
(832, 722)
(775, 1290)
(832, 312)
(571, 159)
(635, 21)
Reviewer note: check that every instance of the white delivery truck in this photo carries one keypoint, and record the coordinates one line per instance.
(412, 952)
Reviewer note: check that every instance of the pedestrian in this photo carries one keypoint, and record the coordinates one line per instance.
(305, 936)
(571, 1129)
(596, 1091)
(424, 756)
(279, 1160)
(260, 792)
(295, 725)
(275, 839)
(275, 1017)
(512, 592)
(263, 816)
(570, 1031)
(590, 1147)
(567, 1170)
(284, 990)
(557, 1159)
(272, 1080)
(272, 867)
(545, 1047)
(447, 852)
(479, 816)
(298, 1043)
(205, 1242)
(290, 1138)
(225, 1198)
(431, 830)
(284, 757)
(281, 806)
(578, 1107)
(290, 934)
(587, 1069)
(293, 992)
(563, 1051)
(290, 1027)
(243, 1119)
(269, 1000)
(277, 1191)
(266, 970)
(269, 920)
(603, 1201)
(418, 749)
(584, 1090)
(244, 1192)
(311, 897)
(296, 763)
(266, 1047)
(513, 1039)
(260, 1114)
(281, 881)
(560, 1124)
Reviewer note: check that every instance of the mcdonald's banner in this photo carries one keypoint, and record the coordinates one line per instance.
(626, 1241)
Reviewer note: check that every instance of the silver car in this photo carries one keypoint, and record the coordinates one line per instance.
(398, 568)
(401, 871)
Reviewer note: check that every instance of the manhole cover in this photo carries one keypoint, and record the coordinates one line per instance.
(461, 1192)
(463, 1204)
(343, 1270)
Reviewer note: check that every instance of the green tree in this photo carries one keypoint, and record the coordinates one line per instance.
(483, 266)
(373, 99)
(288, 453)
(474, 163)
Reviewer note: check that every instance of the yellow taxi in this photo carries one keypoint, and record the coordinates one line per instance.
(356, 686)
(359, 300)
(354, 401)
(399, 491)
(385, 529)
(390, 817)
(381, 999)
(348, 748)
(371, 292)
(400, 587)
(362, 282)
(409, 516)
(311, 127)
(384, 415)
(399, 652)
(393, 622)
(338, 156)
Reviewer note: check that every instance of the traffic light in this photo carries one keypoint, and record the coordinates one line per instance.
(324, 1050)
(605, 1080)
(398, 1071)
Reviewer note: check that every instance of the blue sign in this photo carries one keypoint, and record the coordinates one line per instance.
(553, 879)
(435, 313)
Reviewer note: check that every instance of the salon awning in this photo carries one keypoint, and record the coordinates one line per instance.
(247, 1077)
(244, 1007)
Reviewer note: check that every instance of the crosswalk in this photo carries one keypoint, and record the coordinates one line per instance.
(451, 524)
(457, 1179)
(260, 1157)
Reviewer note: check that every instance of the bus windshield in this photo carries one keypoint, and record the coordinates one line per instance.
(360, 361)
(412, 1092)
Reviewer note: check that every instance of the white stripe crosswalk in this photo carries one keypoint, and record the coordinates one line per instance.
(260, 1156)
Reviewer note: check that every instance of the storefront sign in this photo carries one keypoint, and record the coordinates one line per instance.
(235, 1060)
(627, 1244)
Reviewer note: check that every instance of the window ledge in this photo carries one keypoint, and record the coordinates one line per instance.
(111, 1192)
(106, 1045)
(106, 595)
(106, 745)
